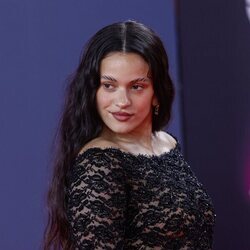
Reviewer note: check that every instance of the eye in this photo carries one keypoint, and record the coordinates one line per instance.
(108, 86)
(137, 87)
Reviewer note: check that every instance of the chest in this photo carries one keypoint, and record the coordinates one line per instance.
(167, 195)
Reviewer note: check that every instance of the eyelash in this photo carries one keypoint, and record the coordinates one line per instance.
(138, 86)
(110, 86)
(106, 85)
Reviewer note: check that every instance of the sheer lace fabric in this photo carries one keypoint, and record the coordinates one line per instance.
(116, 200)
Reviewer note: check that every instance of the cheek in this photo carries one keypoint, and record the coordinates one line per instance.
(143, 106)
(146, 102)
(102, 100)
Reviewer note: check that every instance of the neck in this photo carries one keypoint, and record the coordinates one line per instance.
(136, 141)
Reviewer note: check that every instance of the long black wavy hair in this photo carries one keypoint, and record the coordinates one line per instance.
(80, 121)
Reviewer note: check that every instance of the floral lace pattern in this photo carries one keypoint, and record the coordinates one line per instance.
(117, 200)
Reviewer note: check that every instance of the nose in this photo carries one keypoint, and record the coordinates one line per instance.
(123, 99)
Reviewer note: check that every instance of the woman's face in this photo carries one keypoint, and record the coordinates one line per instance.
(125, 96)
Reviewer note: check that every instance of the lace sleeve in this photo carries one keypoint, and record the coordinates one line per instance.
(96, 202)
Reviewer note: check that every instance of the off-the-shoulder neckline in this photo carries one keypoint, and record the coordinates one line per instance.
(127, 153)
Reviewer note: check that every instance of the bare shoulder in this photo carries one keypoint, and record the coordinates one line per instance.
(166, 139)
(98, 143)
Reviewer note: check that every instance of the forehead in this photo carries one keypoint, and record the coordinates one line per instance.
(124, 63)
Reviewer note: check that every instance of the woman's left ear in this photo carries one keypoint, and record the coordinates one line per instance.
(155, 101)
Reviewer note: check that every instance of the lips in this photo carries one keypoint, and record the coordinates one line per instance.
(121, 116)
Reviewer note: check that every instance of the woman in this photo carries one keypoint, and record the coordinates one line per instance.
(119, 182)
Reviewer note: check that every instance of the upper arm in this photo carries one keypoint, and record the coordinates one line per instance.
(96, 203)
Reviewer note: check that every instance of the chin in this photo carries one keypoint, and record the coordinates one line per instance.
(121, 129)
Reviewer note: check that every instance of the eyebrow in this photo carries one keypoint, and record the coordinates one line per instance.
(140, 79)
(110, 78)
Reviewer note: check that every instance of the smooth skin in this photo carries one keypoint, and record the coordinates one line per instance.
(125, 100)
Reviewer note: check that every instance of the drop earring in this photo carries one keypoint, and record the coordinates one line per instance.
(156, 110)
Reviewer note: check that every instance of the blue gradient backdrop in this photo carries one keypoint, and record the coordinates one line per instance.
(41, 42)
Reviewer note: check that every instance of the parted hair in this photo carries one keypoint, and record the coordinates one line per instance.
(80, 121)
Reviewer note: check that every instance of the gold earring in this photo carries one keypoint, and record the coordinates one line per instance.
(156, 111)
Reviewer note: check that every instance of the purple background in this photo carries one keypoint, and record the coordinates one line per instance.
(209, 52)
(41, 42)
(215, 62)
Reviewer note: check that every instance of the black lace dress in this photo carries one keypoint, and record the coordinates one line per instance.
(118, 200)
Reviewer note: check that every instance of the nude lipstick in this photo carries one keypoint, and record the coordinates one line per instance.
(121, 116)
